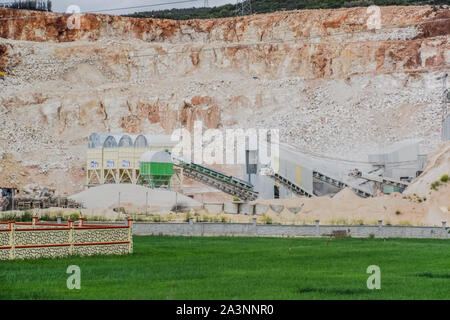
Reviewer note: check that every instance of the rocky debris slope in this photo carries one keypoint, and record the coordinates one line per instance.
(438, 164)
(36, 192)
(331, 86)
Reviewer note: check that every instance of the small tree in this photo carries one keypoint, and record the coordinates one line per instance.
(37, 5)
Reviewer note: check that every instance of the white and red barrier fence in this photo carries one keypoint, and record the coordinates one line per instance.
(24, 240)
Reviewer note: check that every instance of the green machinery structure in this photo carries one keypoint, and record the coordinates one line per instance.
(219, 180)
(156, 169)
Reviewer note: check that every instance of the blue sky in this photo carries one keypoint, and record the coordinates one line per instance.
(93, 5)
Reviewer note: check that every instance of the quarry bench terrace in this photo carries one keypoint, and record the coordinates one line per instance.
(28, 240)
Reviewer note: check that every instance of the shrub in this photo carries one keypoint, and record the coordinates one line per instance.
(74, 216)
(170, 217)
(444, 178)
(435, 185)
(8, 217)
(371, 235)
(47, 217)
(397, 212)
(97, 218)
(340, 221)
(157, 218)
(267, 220)
(358, 222)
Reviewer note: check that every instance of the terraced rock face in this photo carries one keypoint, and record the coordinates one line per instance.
(328, 83)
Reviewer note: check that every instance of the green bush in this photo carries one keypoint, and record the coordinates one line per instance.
(8, 217)
(97, 218)
(267, 220)
(47, 217)
(340, 221)
(435, 185)
(26, 216)
(156, 218)
(266, 6)
(358, 222)
(444, 178)
(74, 216)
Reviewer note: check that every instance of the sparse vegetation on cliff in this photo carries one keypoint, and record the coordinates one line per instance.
(443, 180)
(267, 6)
(42, 5)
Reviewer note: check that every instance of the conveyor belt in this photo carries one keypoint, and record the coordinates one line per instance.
(380, 179)
(339, 184)
(288, 183)
(219, 180)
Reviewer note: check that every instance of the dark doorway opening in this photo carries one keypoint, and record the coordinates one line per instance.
(276, 192)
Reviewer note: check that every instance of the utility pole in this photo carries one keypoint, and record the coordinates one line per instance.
(243, 7)
(206, 3)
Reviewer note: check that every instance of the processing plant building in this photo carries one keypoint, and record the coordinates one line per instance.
(115, 157)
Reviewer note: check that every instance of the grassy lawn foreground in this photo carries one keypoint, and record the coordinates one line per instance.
(241, 268)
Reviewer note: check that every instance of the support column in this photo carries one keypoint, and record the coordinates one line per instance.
(12, 240)
(317, 223)
(130, 235)
(34, 220)
(444, 229)
(380, 228)
(71, 232)
(191, 226)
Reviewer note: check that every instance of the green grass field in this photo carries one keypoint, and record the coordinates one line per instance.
(241, 268)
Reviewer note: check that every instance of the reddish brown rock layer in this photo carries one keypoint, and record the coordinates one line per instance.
(42, 26)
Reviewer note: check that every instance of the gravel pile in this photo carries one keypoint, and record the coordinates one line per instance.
(116, 195)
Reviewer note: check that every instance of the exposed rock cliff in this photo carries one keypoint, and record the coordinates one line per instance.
(330, 85)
